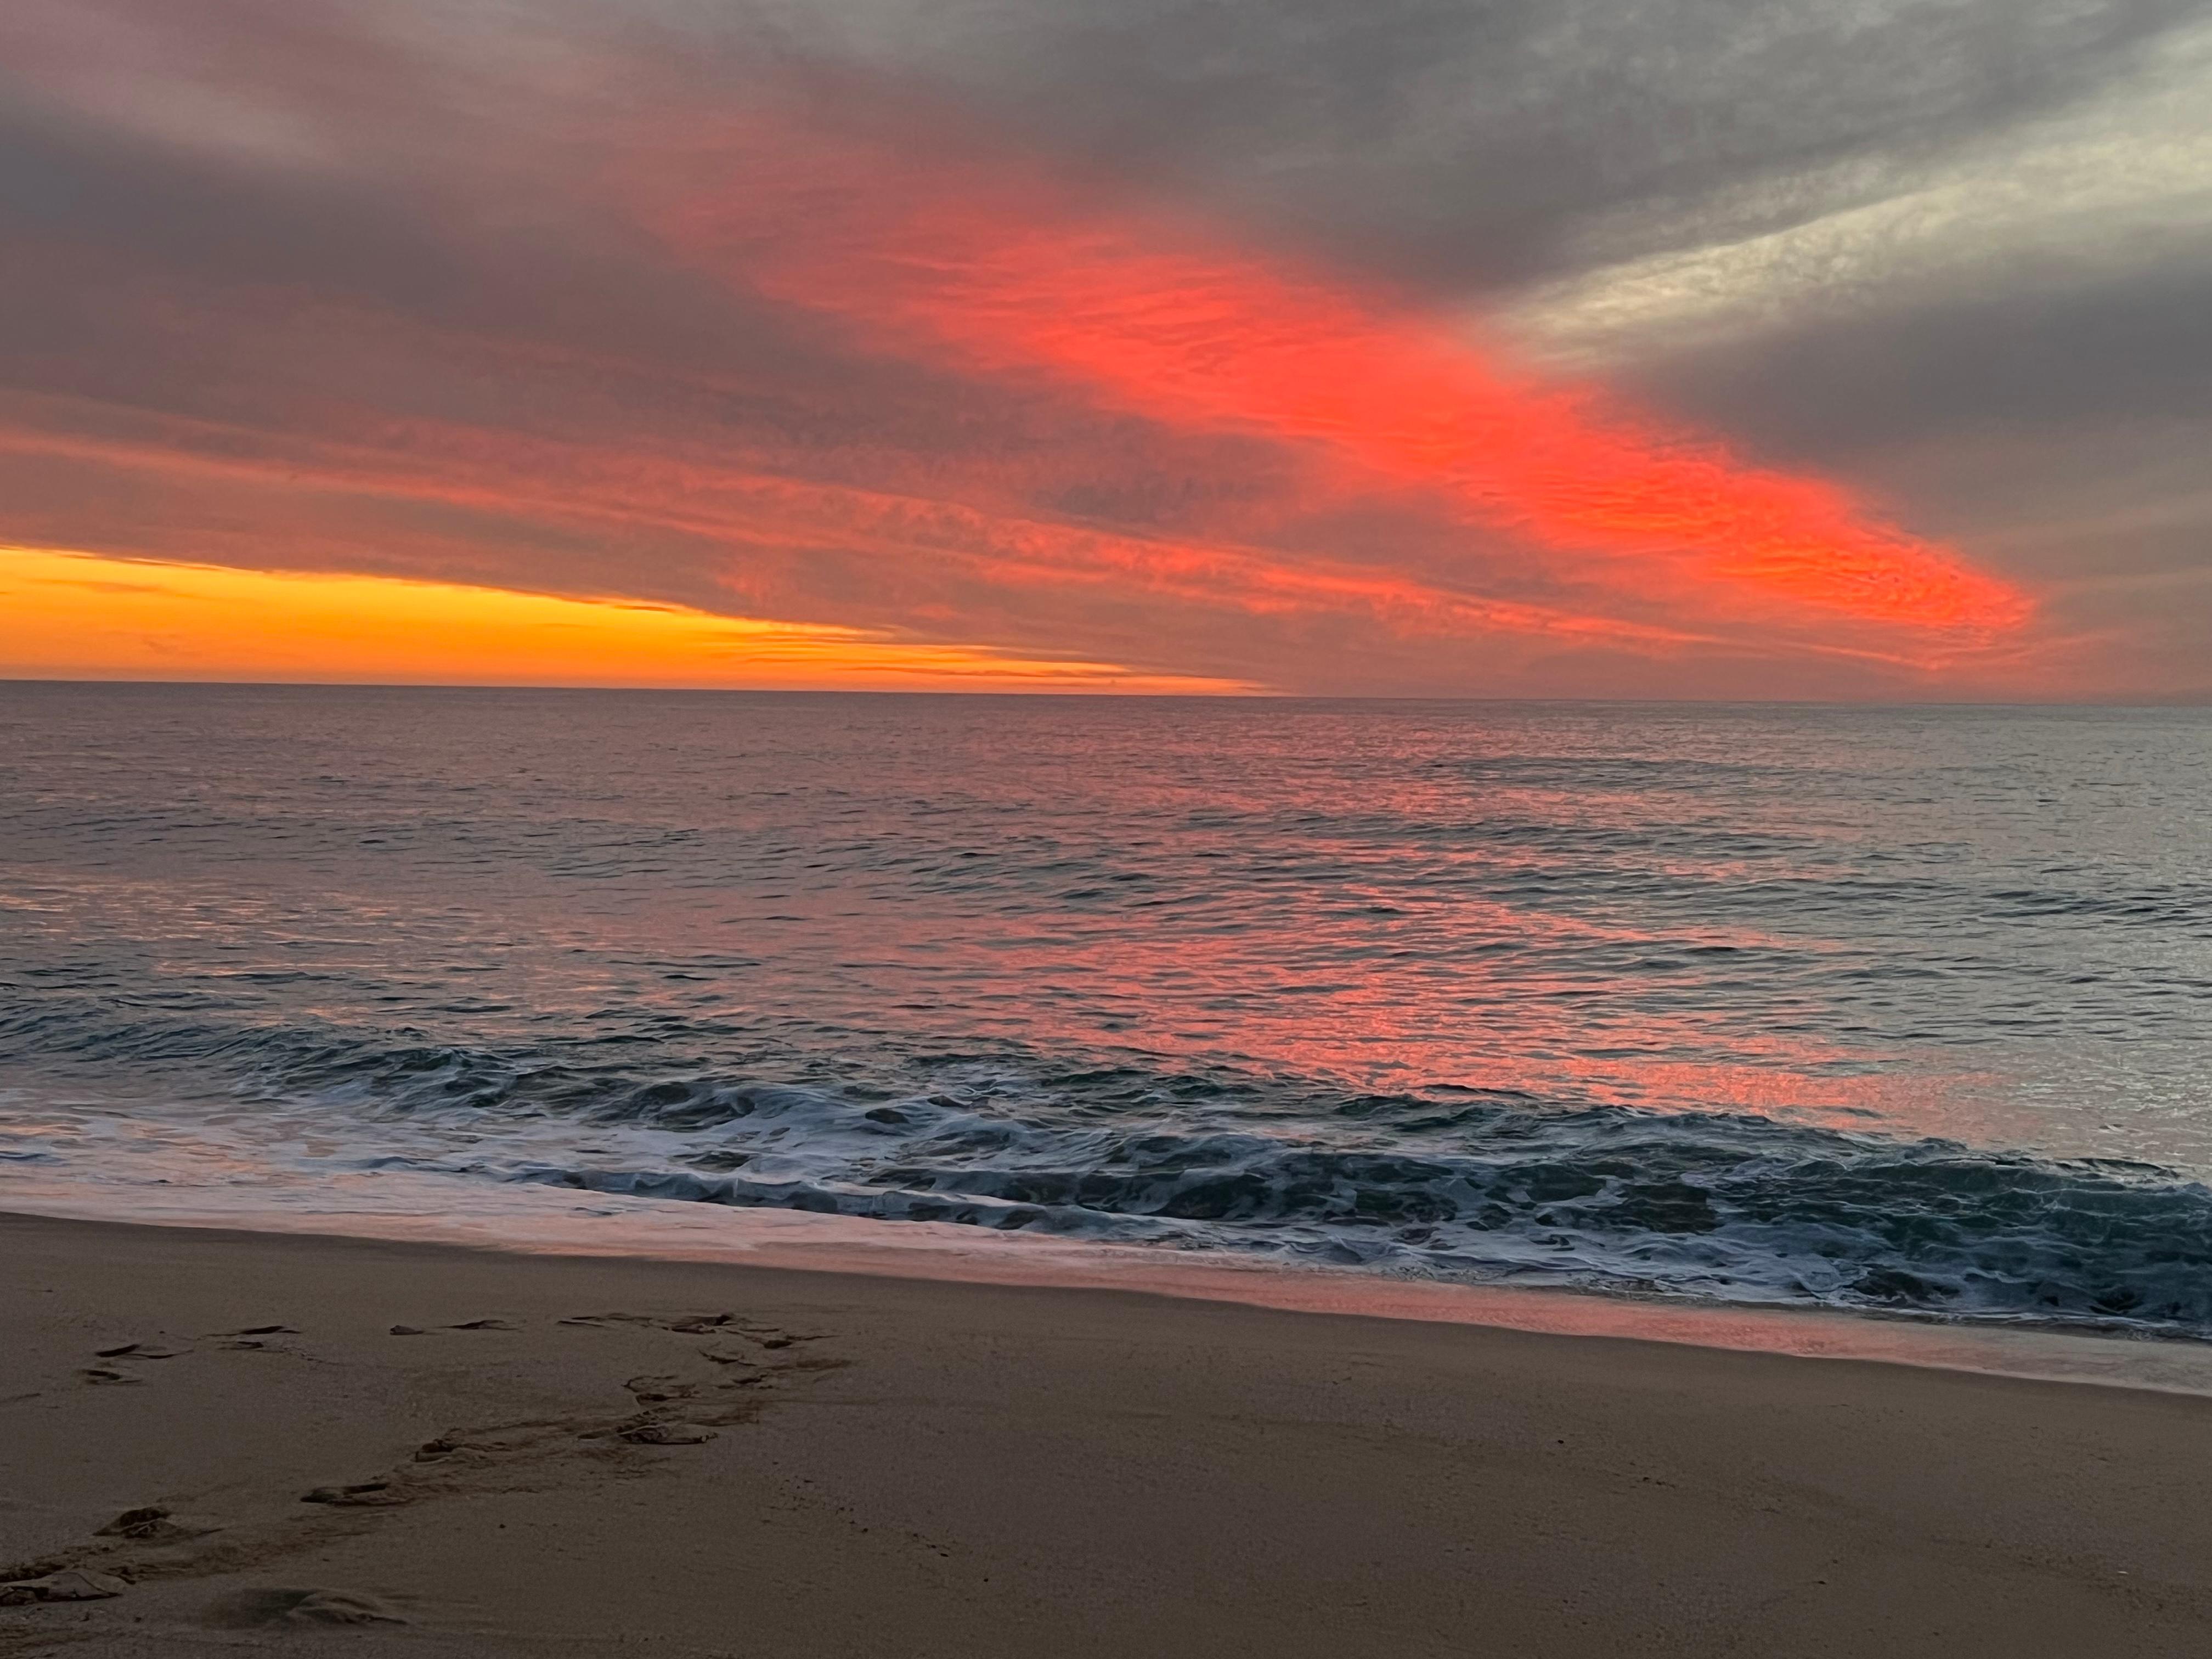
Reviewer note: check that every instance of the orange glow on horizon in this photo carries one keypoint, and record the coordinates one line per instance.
(990, 265)
(73, 616)
(767, 515)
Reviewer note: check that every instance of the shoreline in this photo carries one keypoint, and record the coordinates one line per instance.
(568, 1454)
(527, 1220)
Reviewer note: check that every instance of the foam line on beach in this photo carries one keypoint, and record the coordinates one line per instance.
(533, 1220)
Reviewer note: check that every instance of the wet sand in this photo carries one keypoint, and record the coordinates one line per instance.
(571, 1457)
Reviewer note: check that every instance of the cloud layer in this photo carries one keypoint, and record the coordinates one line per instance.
(1676, 348)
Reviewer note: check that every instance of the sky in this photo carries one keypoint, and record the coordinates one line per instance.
(1824, 349)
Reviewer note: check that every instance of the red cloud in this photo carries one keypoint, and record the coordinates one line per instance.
(994, 265)
(771, 516)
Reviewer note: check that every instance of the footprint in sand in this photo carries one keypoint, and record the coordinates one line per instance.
(669, 1412)
(252, 1337)
(362, 1494)
(70, 1584)
(113, 1373)
(718, 1324)
(140, 1351)
(699, 1324)
(153, 1523)
(651, 1390)
(261, 1609)
(665, 1434)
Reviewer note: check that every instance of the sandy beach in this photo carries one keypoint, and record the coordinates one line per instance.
(512, 1454)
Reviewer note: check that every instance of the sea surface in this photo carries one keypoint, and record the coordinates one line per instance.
(1903, 1010)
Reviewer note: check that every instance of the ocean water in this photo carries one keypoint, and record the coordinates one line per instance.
(1894, 1010)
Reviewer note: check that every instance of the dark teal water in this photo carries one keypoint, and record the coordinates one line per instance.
(1896, 1009)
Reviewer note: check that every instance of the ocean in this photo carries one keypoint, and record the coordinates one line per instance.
(1900, 1011)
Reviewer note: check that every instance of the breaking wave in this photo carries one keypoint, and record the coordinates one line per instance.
(1449, 1183)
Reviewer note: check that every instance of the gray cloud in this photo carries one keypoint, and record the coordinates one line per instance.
(1470, 143)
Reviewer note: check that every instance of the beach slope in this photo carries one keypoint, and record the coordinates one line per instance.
(215, 1442)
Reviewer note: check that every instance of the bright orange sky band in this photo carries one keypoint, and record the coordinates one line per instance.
(71, 615)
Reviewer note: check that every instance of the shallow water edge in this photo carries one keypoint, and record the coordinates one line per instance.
(445, 1211)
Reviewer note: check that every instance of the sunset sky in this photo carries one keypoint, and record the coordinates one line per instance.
(1674, 348)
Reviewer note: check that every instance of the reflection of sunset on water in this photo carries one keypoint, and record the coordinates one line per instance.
(1412, 899)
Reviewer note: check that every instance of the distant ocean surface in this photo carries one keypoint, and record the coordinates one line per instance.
(1906, 1009)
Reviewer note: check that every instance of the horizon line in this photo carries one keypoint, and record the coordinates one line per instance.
(2201, 700)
